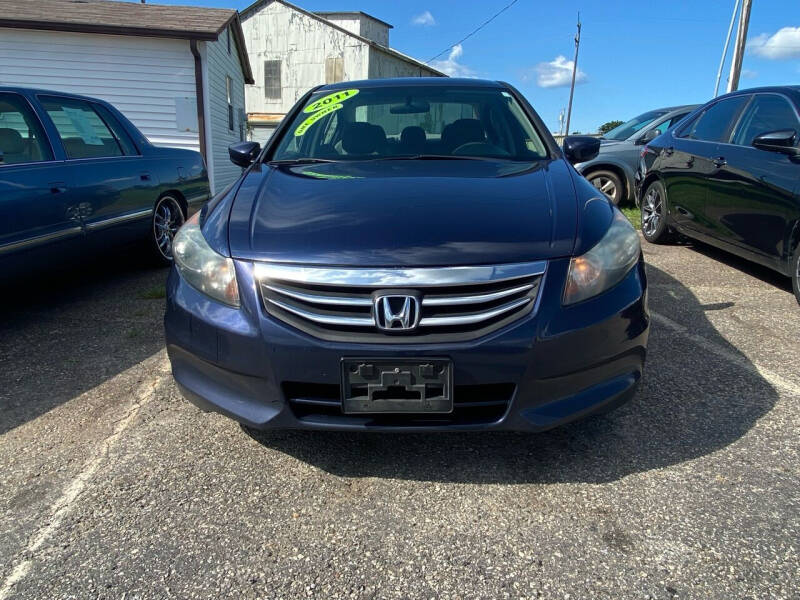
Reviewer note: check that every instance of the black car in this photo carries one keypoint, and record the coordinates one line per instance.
(729, 175)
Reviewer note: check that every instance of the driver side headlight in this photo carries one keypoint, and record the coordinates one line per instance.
(201, 267)
(606, 264)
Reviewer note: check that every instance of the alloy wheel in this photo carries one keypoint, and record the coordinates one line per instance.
(651, 212)
(167, 219)
(605, 185)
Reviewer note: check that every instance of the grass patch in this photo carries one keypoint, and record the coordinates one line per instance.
(634, 215)
(154, 293)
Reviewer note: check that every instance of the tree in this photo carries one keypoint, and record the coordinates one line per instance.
(606, 127)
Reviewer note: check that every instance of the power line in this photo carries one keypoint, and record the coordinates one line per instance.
(476, 30)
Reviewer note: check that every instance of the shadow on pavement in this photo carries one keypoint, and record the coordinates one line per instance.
(692, 402)
(750, 268)
(69, 329)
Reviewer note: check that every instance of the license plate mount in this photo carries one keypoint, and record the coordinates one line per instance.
(397, 386)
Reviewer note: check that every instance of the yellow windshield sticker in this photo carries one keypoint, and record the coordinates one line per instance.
(301, 129)
(330, 100)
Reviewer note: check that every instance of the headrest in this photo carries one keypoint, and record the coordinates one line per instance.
(413, 137)
(11, 141)
(363, 138)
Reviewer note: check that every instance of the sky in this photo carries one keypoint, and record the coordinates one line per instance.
(634, 56)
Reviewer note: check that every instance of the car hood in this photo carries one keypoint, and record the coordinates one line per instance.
(405, 213)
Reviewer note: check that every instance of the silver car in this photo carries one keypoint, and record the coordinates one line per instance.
(613, 170)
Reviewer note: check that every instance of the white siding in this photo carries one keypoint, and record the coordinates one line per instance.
(142, 77)
(220, 65)
(301, 43)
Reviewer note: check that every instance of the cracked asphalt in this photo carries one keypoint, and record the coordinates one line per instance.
(112, 486)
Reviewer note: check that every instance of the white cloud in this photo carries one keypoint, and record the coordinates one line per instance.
(451, 66)
(785, 43)
(425, 19)
(748, 74)
(557, 73)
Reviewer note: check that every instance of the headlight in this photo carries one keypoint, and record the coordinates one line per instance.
(606, 264)
(201, 267)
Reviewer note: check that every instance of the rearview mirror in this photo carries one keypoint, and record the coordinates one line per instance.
(783, 141)
(244, 153)
(580, 148)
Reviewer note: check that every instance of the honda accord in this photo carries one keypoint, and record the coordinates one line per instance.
(408, 255)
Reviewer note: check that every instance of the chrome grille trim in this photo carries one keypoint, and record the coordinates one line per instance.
(398, 277)
(474, 298)
(452, 303)
(325, 319)
(320, 299)
(471, 319)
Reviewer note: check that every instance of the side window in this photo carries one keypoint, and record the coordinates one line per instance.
(117, 129)
(673, 121)
(272, 79)
(22, 139)
(83, 132)
(229, 96)
(715, 124)
(767, 112)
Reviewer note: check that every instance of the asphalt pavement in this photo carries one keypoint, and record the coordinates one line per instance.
(112, 486)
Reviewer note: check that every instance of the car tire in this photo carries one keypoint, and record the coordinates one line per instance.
(168, 216)
(609, 183)
(795, 266)
(654, 214)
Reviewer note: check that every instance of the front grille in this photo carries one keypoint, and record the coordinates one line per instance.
(472, 404)
(449, 304)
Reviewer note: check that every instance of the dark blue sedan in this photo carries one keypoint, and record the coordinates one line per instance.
(76, 175)
(409, 255)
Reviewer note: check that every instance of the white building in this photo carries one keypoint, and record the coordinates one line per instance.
(293, 50)
(177, 72)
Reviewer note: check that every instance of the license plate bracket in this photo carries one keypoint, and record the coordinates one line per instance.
(397, 385)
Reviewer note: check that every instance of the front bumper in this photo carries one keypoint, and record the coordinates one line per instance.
(550, 367)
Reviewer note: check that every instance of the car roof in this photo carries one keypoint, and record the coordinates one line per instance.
(34, 91)
(791, 90)
(670, 109)
(413, 81)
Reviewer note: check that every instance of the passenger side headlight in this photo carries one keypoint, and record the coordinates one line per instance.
(606, 264)
(201, 267)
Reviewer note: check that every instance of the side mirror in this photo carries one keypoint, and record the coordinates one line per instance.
(648, 136)
(580, 148)
(244, 153)
(783, 141)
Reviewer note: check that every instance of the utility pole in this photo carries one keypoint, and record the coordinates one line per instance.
(738, 50)
(574, 71)
(725, 49)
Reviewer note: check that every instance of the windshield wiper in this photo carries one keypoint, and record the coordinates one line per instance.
(301, 161)
(436, 157)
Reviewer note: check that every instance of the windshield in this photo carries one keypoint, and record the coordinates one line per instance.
(626, 130)
(411, 122)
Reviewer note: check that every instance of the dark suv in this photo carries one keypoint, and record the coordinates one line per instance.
(409, 254)
(730, 176)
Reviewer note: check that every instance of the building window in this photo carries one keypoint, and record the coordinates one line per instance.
(229, 92)
(272, 79)
(334, 69)
(229, 40)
